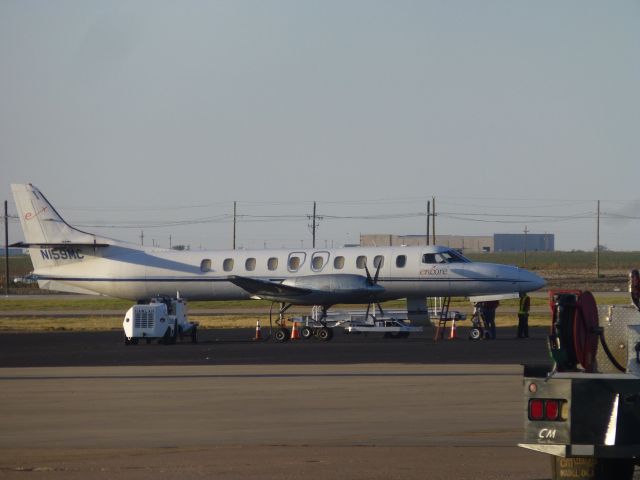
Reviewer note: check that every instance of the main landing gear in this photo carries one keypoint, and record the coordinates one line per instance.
(282, 333)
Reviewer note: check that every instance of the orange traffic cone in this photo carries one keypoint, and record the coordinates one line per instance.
(295, 333)
(452, 333)
(258, 335)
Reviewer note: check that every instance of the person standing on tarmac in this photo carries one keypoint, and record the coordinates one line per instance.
(634, 287)
(523, 315)
(489, 313)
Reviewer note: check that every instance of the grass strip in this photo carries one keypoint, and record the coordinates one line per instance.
(104, 303)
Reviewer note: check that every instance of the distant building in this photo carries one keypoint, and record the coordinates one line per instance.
(461, 242)
(499, 242)
(519, 242)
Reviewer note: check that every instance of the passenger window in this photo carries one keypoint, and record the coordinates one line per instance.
(429, 258)
(361, 261)
(378, 260)
(296, 260)
(401, 261)
(294, 263)
(272, 263)
(338, 263)
(250, 264)
(228, 264)
(319, 260)
(205, 265)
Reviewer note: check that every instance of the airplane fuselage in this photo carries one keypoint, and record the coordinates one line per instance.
(133, 272)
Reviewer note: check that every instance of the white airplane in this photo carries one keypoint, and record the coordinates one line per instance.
(70, 260)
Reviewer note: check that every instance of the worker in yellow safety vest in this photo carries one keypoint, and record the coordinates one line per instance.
(523, 315)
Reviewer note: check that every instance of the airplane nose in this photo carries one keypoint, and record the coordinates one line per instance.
(531, 281)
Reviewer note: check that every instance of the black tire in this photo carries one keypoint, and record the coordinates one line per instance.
(148, 340)
(306, 332)
(475, 334)
(127, 341)
(618, 468)
(134, 341)
(325, 334)
(281, 335)
(194, 335)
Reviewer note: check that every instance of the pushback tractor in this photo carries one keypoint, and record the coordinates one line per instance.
(163, 319)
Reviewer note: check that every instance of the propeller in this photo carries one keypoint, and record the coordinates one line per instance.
(371, 282)
(374, 280)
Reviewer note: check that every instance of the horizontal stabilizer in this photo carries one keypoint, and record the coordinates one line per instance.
(267, 289)
(57, 245)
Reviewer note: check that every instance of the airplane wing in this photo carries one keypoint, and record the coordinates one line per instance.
(267, 289)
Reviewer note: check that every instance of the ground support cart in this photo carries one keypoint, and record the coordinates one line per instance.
(163, 319)
(391, 324)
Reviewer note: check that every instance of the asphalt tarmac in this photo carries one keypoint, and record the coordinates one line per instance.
(85, 406)
(235, 347)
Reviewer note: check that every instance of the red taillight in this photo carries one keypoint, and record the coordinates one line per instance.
(552, 409)
(536, 409)
(546, 409)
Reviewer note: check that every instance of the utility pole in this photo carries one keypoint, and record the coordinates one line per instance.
(525, 244)
(234, 225)
(598, 242)
(313, 227)
(6, 249)
(169, 242)
(433, 220)
(428, 219)
(142, 237)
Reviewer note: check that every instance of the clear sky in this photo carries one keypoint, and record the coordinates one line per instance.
(141, 114)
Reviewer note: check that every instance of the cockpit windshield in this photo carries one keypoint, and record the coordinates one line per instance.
(453, 256)
(448, 256)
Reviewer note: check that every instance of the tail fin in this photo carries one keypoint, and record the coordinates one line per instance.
(41, 223)
(51, 241)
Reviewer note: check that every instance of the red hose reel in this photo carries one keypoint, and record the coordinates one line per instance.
(575, 330)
